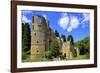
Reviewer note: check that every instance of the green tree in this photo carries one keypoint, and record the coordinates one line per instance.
(84, 45)
(56, 33)
(26, 40)
(54, 50)
(63, 37)
(87, 44)
(70, 38)
(80, 44)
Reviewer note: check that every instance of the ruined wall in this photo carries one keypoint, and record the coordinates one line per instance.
(67, 50)
(39, 40)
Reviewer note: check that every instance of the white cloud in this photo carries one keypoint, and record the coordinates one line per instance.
(69, 29)
(68, 22)
(74, 23)
(64, 14)
(25, 19)
(26, 11)
(64, 21)
(86, 17)
(45, 16)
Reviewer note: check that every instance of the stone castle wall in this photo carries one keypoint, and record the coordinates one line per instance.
(39, 42)
(67, 50)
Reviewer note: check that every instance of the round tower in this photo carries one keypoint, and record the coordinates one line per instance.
(39, 43)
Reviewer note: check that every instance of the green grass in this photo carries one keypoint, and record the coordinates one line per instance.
(39, 59)
(35, 60)
(81, 57)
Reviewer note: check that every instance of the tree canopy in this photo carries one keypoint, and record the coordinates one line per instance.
(84, 45)
(63, 37)
(54, 50)
(56, 33)
(26, 39)
(70, 38)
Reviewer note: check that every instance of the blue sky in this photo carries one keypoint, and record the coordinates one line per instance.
(74, 23)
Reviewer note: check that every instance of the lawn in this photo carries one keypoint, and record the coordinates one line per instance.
(81, 57)
(35, 60)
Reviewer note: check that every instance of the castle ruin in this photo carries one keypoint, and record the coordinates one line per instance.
(40, 39)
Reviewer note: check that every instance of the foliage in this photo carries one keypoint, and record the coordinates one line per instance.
(81, 57)
(26, 40)
(62, 57)
(35, 60)
(84, 45)
(54, 50)
(56, 33)
(70, 38)
(63, 37)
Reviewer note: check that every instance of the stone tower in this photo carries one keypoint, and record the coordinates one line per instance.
(68, 50)
(39, 38)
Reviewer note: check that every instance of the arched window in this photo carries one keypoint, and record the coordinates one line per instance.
(37, 41)
(64, 54)
(37, 50)
(35, 34)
